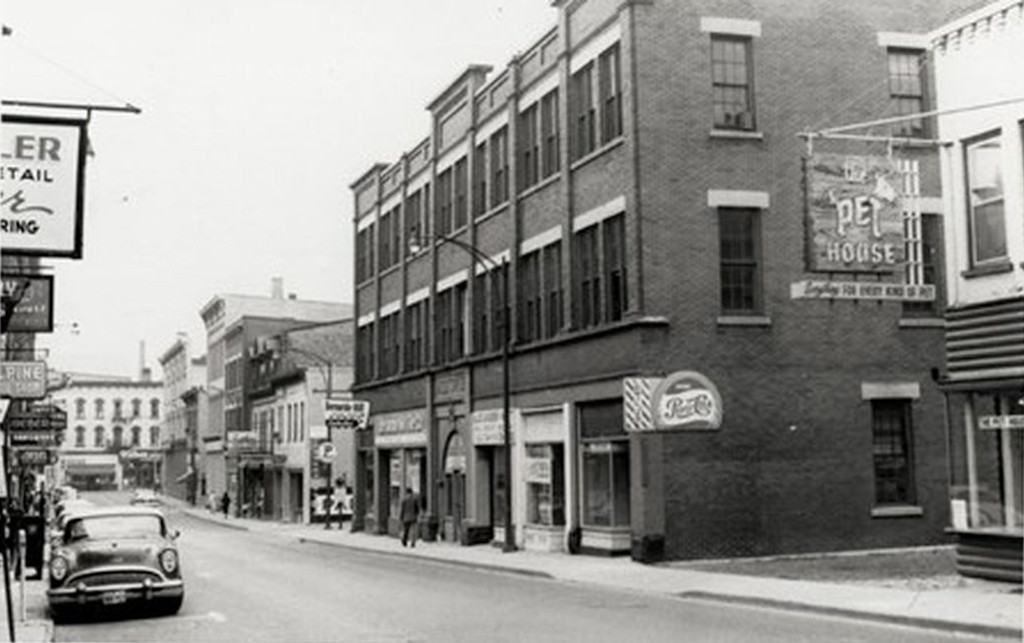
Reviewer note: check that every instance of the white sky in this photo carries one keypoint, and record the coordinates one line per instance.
(256, 117)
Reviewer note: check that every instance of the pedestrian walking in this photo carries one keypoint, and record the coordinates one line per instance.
(410, 513)
(225, 503)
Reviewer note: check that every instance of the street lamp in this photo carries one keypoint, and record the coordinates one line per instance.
(321, 363)
(415, 245)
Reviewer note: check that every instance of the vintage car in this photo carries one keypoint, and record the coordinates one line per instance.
(145, 497)
(112, 556)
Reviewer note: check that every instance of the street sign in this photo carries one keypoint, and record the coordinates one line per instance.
(34, 438)
(326, 452)
(36, 456)
(339, 413)
(23, 380)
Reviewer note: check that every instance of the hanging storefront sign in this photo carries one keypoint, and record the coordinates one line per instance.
(32, 310)
(41, 186)
(822, 289)
(685, 400)
(345, 413)
(23, 380)
(854, 215)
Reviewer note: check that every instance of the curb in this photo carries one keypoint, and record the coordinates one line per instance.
(531, 573)
(894, 619)
(217, 521)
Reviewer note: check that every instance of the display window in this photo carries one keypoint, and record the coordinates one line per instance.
(545, 484)
(604, 464)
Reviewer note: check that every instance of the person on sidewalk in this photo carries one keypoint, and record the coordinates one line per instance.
(225, 503)
(410, 513)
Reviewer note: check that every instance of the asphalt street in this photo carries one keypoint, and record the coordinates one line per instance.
(246, 586)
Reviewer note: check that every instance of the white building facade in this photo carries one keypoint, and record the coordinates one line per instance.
(980, 97)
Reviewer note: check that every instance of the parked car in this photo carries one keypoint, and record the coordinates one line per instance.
(112, 556)
(145, 497)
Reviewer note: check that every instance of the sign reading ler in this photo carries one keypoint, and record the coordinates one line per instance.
(23, 380)
(854, 209)
(41, 167)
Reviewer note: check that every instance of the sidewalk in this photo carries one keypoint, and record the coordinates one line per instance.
(37, 626)
(965, 609)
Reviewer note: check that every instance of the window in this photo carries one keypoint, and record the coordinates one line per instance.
(80, 408)
(545, 484)
(154, 408)
(731, 82)
(481, 309)
(136, 436)
(529, 147)
(583, 112)
(413, 213)
(118, 437)
(451, 323)
(154, 436)
(390, 345)
(99, 409)
(480, 179)
(461, 187)
(739, 245)
(549, 132)
(530, 297)
(98, 437)
(552, 289)
(605, 454)
(390, 238)
(136, 408)
(985, 205)
(614, 230)
(364, 254)
(893, 451)
(906, 91)
(931, 249)
(499, 307)
(384, 242)
(499, 167)
(611, 94)
(118, 408)
(415, 315)
(79, 436)
(443, 211)
(364, 352)
(588, 277)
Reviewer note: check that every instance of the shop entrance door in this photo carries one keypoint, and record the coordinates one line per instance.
(455, 488)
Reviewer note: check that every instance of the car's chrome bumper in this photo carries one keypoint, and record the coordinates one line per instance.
(82, 594)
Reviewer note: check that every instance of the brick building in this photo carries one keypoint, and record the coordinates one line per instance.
(637, 180)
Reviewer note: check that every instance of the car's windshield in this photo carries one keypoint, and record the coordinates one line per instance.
(115, 527)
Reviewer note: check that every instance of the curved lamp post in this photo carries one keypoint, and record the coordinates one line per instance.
(415, 244)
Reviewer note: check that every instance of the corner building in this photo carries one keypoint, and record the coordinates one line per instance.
(629, 194)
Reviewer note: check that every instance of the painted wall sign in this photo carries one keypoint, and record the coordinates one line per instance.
(855, 220)
(41, 188)
(686, 400)
(821, 289)
(34, 311)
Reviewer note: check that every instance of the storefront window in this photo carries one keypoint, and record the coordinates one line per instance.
(605, 464)
(369, 479)
(395, 497)
(994, 493)
(545, 484)
(500, 487)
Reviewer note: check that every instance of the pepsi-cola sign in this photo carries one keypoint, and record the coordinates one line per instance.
(686, 400)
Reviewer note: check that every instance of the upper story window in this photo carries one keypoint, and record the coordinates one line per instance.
(390, 238)
(740, 260)
(499, 167)
(610, 85)
(118, 437)
(390, 345)
(79, 436)
(600, 271)
(98, 438)
(154, 436)
(892, 446)
(985, 204)
(930, 243)
(529, 146)
(118, 408)
(732, 82)
(549, 133)
(99, 409)
(461, 188)
(364, 254)
(480, 179)
(136, 408)
(584, 112)
(80, 408)
(450, 318)
(136, 436)
(415, 320)
(365, 354)
(443, 210)
(906, 90)
(154, 408)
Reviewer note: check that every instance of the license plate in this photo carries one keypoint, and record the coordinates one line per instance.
(114, 598)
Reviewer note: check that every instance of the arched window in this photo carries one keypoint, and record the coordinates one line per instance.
(99, 409)
(80, 435)
(98, 437)
(136, 408)
(154, 408)
(118, 436)
(154, 436)
(80, 408)
(136, 436)
(118, 408)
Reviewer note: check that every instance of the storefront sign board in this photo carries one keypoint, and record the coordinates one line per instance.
(488, 427)
(854, 214)
(405, 428)
(1001, 422)
(41, 186)
(824, 289)
(344, 413)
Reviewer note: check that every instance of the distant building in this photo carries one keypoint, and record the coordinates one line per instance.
(113, 439)
(230, 453)
(182, 373)
(976, 57)
(632, 194)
